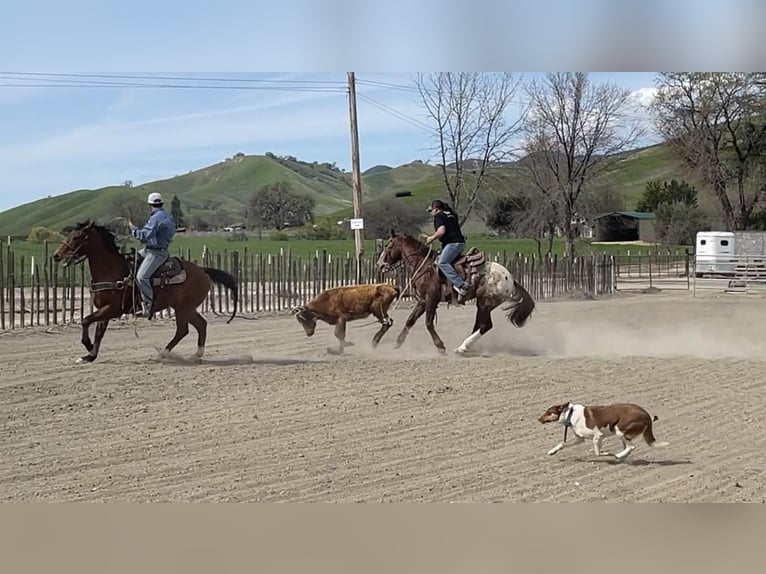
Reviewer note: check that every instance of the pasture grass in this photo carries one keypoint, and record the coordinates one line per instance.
(193, 245)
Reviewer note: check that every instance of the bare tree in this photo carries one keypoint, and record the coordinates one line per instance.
(525, 213)
(716, 122)
(574, 132)
(389, 213)
(472, 130)
(677, 224)
(130, 206)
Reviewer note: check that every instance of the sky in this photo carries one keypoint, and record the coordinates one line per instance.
(55, 137)
(63, 132)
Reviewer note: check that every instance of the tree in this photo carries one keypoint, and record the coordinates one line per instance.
(677, 223)
(200, 223)
(279, 207)
(598, 199)
(716, 122)
(396, 213)
(658, 192)
(41, 234)
(527, 214)
(469, 109)
(574, 130)
(130, 207)
(176, 213)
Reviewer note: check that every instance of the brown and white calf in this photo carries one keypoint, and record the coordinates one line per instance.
(625, 420)
(340, 305)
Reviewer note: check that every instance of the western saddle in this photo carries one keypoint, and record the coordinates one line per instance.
(470, 266)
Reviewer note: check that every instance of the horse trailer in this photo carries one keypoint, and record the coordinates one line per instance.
(714, 253)
(731, 253)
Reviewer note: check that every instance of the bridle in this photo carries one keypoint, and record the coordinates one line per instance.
(74, 257)
(401, 263)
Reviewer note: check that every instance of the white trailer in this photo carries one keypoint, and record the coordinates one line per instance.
(715, 253)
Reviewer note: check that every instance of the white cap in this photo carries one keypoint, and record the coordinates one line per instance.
(154, 198)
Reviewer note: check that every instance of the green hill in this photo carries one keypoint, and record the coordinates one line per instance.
(227, 186)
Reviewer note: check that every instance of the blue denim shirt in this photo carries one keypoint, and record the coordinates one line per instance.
(158, 231)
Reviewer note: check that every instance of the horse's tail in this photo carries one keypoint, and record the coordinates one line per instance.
(521, 306)
(222, 278)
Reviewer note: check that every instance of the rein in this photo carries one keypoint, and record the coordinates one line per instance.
(414, 275)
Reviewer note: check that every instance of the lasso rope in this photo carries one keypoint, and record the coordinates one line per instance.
(412, 278)
(135, 270)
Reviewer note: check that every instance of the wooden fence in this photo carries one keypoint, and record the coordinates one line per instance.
(39, 292)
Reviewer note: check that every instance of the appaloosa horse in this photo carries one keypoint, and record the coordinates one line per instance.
(178, 284)
(490, 283)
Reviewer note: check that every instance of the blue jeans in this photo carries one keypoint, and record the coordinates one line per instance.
(153, 259)
(448, 254)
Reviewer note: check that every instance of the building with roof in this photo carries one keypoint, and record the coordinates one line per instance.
(625, 226)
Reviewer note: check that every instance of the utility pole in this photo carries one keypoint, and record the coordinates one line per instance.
(356, 178)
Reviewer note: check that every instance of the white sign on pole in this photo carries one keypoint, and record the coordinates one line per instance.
(356, 223)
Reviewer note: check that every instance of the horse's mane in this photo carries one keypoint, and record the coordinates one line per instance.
(107, 236)
(418, 245)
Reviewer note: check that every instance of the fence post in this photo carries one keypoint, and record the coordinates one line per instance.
(11, 287)
(687, 267)
(2, 287)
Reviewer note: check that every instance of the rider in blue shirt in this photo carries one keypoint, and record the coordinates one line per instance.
(156, 236)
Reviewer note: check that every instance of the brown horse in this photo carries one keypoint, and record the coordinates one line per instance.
(491, 285)
(178, 284)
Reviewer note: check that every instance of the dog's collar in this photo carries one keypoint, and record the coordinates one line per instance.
(568, 421)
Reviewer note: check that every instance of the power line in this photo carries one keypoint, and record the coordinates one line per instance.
(376, 83)
(397, 114)
(179, 86)
(44, 75)
(55, 80)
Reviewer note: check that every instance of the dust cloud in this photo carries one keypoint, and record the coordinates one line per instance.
(609, 329)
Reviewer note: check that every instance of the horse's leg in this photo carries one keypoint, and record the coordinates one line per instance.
(99, 316)
(482, 324)
(419, 309)
(200, 324)
(100, 330)
(182, 329)
(430, 316)
(385, 324)
(85, 339)
(340, 334)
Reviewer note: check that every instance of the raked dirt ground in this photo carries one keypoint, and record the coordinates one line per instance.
(270, 416)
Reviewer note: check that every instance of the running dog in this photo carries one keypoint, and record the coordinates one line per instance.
(627, 421)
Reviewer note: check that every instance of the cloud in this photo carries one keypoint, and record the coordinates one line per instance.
(284, 118)
(644, 96)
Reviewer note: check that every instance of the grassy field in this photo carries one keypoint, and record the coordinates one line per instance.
(226, 188)
(339, 248)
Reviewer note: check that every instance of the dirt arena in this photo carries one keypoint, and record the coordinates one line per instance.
(270, 416)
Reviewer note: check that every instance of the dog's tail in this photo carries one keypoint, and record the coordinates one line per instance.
(649, 435)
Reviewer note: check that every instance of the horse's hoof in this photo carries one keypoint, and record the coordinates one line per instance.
(333, 351)
(85, 360)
